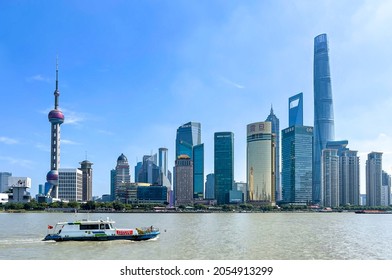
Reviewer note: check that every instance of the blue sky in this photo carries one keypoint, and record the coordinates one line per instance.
(132, 72)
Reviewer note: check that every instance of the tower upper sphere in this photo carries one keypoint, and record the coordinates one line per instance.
(56, 116)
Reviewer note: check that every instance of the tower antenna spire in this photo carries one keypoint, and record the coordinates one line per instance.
(57, 72)
(56, 91)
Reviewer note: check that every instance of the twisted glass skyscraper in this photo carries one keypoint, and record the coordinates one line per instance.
(324, 130)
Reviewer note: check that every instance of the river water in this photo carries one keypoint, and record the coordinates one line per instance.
(208, 236)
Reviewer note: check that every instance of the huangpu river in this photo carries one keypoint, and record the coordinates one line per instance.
(208, 236)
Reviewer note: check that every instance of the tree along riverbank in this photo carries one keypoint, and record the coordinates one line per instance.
(118, 207)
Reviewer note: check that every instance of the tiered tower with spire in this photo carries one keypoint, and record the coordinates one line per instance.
(56, 118)
(275, 130)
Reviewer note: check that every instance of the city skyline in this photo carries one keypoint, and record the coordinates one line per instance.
(127, 83)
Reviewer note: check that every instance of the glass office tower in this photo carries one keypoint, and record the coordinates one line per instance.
(297, 145)
(297, 155)
(296, 110)
(188, 142)
(323, 109)
(188, 135)
(198, 171)
(223, 165)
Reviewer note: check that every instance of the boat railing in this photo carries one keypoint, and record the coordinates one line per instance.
(145, 230)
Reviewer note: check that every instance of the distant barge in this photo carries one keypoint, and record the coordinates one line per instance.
(373, 212)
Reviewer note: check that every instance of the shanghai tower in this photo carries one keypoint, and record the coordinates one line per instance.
(324, 130)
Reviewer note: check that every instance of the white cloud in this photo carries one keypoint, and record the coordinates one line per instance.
(373, 20)
(43, 147)
(73, 118)
(69, 142)
(38, 78)
(229, 82)
(70, 117)
(7, 140)
(16, 161)
(105, 132)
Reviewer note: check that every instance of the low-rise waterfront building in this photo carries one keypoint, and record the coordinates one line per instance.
(19, 187)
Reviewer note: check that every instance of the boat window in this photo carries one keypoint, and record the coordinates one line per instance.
(91, 226)
(107, 226)
(102, 226)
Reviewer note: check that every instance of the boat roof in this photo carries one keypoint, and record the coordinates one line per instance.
(86, 222)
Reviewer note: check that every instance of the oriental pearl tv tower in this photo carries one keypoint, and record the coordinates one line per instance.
(56, 118)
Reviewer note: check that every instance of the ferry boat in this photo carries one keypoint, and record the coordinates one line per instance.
(99, 230)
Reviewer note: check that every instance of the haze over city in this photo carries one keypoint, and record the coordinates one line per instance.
(131, 73)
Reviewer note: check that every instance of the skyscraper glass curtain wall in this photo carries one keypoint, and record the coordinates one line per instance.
(323, 109)
(296, 110)
(188, 142)
(223, 165)
(297, 144)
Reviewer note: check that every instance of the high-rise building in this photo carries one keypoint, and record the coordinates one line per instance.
(210, 186)
(198, 171)
(296, 110)
(386, 189)
(373, 179)
(324, 130)
(138, 167)
(223, 165)
(297, 155)
(70, 184)
(120, 176)
(297, 146)
(349, 179)
(184, 180)
(56, 118)
(330, 178)
(163, 160)
(188, 142)
(150, 171)
(165, 174)
(4, 181)
(113, 184)
(87, 170)
(188, 135)
(275, 130)
(41, 189)
(260, 159)
(348, 173)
